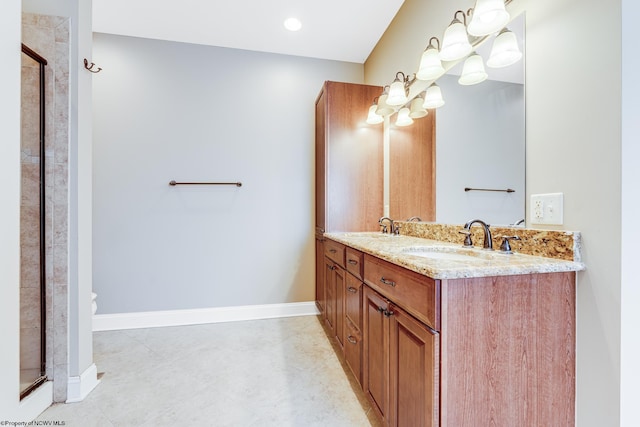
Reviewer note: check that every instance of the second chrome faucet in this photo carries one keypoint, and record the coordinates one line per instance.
(392, 228)
(488, 240)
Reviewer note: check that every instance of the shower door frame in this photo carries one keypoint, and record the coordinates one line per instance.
(43, 276)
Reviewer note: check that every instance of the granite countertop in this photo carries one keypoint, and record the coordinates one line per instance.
(442, 260)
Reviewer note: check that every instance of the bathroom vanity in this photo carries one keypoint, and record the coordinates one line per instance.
(439, 335)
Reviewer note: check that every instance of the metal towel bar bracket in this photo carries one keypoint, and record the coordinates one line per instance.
(508, 190)
(174, 183)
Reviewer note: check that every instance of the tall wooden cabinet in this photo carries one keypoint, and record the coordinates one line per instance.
(348, 168)
(349, 159)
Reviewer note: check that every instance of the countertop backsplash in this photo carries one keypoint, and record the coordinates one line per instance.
(558, 244)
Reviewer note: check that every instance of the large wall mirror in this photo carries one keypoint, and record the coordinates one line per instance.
(480, 143)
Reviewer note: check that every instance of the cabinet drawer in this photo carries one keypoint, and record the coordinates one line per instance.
(334, 251)
(353, 349)
(418, 294)
(354, 261)
(353, 300)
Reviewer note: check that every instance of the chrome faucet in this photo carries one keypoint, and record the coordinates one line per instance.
(414, 218)
(488, 242)
(393, 228)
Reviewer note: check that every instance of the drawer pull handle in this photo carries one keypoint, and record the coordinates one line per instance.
(381, 309)
(333, 251)
(352, 262)
(352, 290)
(387, 282)
(352, 340)
(388, 313)
(331, 267)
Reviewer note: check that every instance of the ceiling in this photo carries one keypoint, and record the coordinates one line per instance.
(341, 30)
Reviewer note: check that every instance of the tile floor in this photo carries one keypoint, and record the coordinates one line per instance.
(275, 372)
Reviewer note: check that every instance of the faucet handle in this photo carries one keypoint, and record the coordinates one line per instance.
(467, 238)
(395, 229)
(506, 246)
(384, 228)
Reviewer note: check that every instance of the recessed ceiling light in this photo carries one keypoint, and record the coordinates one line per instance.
(292, 24)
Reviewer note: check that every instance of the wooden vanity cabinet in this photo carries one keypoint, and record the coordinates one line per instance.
(400, 364)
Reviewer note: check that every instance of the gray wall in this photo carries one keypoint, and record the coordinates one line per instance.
(480, 144)
(166, 110)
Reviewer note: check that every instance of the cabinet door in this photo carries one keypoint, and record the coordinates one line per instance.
(375, 369)
(414, 375)
(340, 285)
(320, 280)
(353, 301)
(330, 293)
(349, 159)
(353, 349)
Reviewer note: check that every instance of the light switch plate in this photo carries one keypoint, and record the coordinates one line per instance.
(547, 209)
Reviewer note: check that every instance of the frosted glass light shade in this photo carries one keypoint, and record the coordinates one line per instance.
(505, 50)
(433, 97)
(372, 117)
(397, 94)
(383, 109)
(455, 43)
(403, 118)
(488, 17)
(417, 109)
(430, 65)
(473, 71)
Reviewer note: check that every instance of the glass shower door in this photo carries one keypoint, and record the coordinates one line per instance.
(32, 224)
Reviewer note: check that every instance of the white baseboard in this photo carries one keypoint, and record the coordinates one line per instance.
(79, 387)
(153, 319)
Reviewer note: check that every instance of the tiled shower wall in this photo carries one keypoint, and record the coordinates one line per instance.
(49, 37)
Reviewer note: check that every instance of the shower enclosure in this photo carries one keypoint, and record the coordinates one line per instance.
(32, 224)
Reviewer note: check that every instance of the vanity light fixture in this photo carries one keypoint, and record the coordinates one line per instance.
(417, 109)
(488, 17)
(373, 118)
(433, 97)
(430, 64)
(473, 71)
(398, 90)
(384, 109)
(505, 50)
(403, 118)
(455, 43)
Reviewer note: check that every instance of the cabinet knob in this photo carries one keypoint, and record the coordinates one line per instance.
(352, 340)
(333, 251)
(352, 262)
(388, 313)
(381, 309)
(352, 290)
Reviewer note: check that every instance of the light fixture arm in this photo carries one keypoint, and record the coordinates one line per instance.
(437, 46)
(464, 17)
(405, 79)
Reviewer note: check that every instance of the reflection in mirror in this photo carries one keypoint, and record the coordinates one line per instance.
(480, 143)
